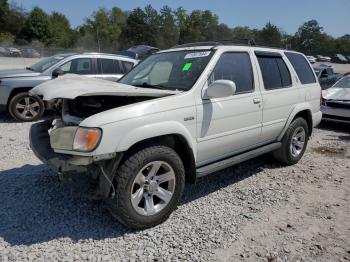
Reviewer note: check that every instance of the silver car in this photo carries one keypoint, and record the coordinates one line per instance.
(336, 101)
(15, 83)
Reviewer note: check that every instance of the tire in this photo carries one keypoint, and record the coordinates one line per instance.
(286, 154)
(24, 107)
(134, 214)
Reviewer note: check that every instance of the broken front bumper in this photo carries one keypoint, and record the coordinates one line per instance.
(40, 143)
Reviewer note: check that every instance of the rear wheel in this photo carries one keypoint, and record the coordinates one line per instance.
(26, 108)
(149, 185)
(294, 142)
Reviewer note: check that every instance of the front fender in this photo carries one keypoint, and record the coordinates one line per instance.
(154, 130)
(298, 108)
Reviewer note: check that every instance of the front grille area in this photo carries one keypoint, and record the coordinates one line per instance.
(342, 118)
(338, 104)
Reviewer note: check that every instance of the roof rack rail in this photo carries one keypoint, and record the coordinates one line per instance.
(249, 42)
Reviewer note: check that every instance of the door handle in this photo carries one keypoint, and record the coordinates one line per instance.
(256, 101)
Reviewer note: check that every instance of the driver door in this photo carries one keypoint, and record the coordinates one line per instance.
(230, 125)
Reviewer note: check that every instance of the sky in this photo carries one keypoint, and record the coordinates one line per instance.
(288, 15)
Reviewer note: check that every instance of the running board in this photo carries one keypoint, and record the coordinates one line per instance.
(208, 169)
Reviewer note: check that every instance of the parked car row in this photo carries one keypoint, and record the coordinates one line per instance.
(15, 52)
(15, 83)
(337, 58)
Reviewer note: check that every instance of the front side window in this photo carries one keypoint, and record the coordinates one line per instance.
(237, 68)
(274, 72)
(177, 70)
(80, 66)
(301, 67)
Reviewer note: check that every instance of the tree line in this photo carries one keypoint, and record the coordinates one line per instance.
(113, 29)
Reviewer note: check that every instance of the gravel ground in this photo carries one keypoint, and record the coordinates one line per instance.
(255, 211)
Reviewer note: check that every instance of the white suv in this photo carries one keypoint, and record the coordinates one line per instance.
(180, 114)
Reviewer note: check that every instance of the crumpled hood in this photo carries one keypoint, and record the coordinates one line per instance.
(11, 73)
(71, 86)
(336, 93)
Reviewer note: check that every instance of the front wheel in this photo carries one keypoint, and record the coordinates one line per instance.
(24, 107)
(294, 142)
(149, 185)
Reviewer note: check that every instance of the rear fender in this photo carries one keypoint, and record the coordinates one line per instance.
(298, 108)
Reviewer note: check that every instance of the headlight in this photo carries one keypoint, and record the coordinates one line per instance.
(86, 139)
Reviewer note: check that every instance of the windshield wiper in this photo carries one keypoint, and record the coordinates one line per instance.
(153, 86)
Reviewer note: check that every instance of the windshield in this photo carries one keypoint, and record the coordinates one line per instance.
(177, 70)
(44, 64)
(343, 83)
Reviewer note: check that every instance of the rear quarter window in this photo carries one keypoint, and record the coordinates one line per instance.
(301, 67)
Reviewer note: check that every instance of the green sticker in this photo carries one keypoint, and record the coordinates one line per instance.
(186, 67)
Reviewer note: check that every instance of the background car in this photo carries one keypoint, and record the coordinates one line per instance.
(12, 51)
(30, 52)
(335, 104)
(139, 52)
(311, 59)
(339, 58)
(15, 83)
(321, 58)
(326, 75)
(3, 51)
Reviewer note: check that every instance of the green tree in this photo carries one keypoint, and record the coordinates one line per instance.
(104, 27)
(270, 35)
(37, 27)
(169, 32)
(4, 10)
(138, 29)
(62, 34)
(307, 36)
(244, 33)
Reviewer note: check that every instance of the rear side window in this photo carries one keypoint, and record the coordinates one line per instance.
(301, 67)
(108, 66)
(237, 68)
(274, 72)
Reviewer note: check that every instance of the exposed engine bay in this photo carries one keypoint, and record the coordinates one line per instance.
(74, 111)
(74, 98)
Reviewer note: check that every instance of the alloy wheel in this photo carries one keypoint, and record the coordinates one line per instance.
(153, 188)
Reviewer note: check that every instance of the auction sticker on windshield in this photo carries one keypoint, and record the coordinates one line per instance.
(197, 54)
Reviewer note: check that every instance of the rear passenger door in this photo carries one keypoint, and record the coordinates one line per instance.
(109, 69)
(280, 93)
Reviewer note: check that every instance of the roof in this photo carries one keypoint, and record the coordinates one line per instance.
(93, 53)
(222, 43)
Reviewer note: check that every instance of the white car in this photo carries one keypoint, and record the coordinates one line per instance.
(180, 114)
(311, 59)
(336, 101)
(321, 58)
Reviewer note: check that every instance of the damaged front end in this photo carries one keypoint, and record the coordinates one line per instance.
(101, 168)
(74, 99)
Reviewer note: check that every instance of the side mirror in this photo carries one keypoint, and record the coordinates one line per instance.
(57, 72)
(220, 88)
